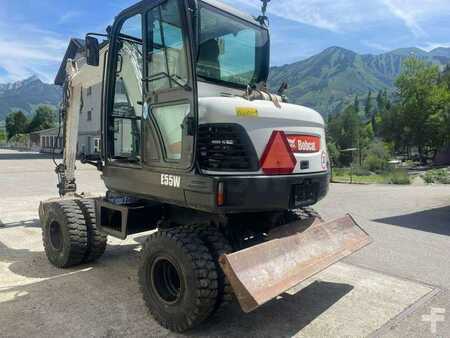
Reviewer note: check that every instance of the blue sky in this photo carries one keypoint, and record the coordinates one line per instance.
(34, 34)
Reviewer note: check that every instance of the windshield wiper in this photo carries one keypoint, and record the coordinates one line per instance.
(174, 78)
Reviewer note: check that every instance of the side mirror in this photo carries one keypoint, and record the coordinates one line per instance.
(92, 51)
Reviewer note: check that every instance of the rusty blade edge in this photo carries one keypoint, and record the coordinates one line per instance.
(246, 300)
(250, 302)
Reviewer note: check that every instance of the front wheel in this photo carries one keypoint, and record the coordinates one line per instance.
(178, 279)
(64, 234)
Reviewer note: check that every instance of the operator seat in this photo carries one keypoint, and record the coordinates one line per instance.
(208, 60)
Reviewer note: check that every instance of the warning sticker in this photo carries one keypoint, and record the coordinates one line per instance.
(246, 112)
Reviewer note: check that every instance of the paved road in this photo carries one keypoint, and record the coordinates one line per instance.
(411, 228)
(383, 290)
(27, 178)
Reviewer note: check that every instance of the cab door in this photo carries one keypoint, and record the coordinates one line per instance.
(170, 94)
(124, 109)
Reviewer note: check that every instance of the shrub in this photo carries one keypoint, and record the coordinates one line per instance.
(440, 176)
(377, 157)
(333, 151)
(374, 163)
(398, 176)
(19, 139)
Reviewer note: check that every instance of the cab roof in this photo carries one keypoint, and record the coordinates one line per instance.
(213, 3)
(231, 10)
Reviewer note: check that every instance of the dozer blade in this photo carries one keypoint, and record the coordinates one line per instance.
(292, 255)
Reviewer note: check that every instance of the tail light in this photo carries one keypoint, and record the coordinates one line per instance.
(220, 195)
(278, 158)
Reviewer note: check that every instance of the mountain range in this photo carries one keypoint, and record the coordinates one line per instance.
(26, 95)
(330, 80)
(326, 82)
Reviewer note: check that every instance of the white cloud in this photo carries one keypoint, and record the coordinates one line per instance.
(414, 13)
(351, 15)
(407, 15)
(326, 14)
(27, 50)
(433, 45)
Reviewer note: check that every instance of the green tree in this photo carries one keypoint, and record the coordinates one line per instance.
(16, 123)
(356, 103)
(380, 101)
(417, 86)
(2, 135)
(368, 107)
(334, 153)
(346, 130)
(445, 79)
(382, 104)
(387, 102)
(350, 134)
(377, 156)
(366, 137)
(392, 129)
(439, 119)
(43, 118)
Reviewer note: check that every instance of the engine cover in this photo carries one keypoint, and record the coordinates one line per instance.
(303, 127)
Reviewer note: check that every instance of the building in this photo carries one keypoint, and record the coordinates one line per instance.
(90, 117)
(45, 141)
(90, 113)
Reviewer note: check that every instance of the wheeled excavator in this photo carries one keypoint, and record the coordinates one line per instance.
(196, 149)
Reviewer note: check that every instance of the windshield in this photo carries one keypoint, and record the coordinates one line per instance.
(231, 51)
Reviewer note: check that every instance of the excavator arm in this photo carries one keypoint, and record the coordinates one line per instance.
(71, 106)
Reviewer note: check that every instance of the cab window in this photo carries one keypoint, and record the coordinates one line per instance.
(127, 109)
(168, 71)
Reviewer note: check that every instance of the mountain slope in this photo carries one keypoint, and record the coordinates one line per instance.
(326, 82)
(26, 95)
(330, 80)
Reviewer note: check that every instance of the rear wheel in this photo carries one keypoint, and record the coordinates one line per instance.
(64, 234)
(96, 240)
(218, 245)
(178, 279)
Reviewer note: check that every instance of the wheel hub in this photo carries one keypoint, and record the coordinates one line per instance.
(56, 236)
(166, 280)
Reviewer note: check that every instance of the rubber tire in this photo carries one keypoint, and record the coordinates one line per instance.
(96, 240)
(199, 276)
(217, 245)
(74, 234)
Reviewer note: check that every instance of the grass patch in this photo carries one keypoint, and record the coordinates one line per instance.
(396, 176)
(439, 176)
(372, 179)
